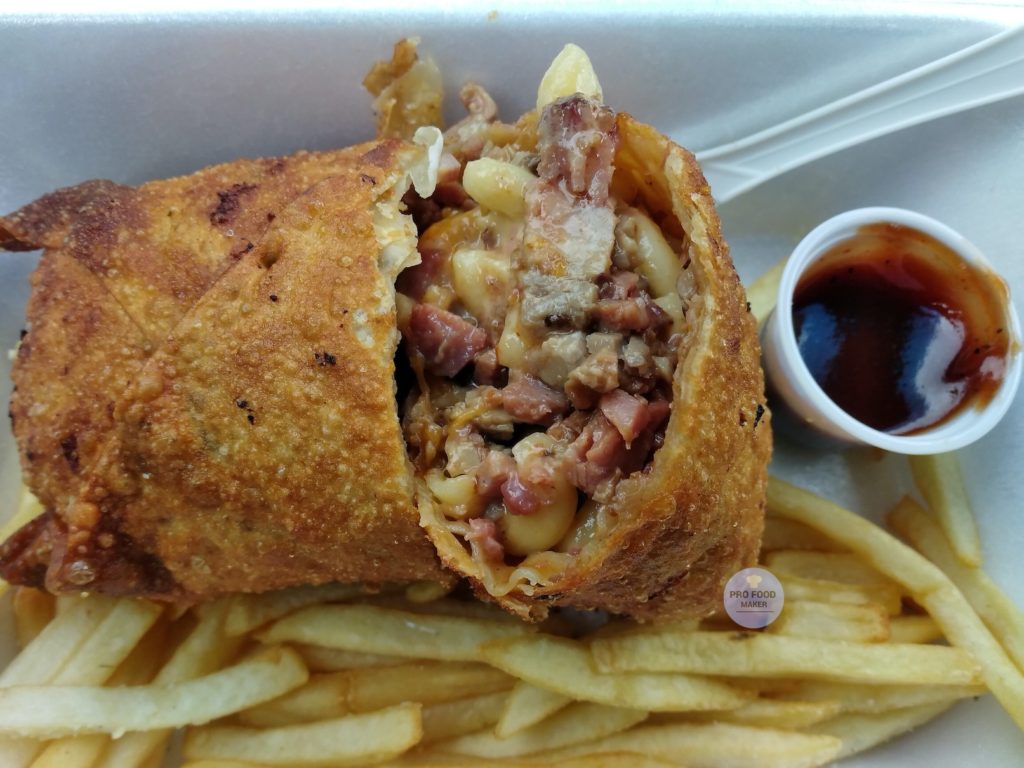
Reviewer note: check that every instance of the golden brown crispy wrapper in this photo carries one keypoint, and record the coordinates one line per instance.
(693, 519)
(121, 268)
(259, 446)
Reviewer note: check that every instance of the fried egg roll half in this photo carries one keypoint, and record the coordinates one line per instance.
(256, 443)
(587, 417)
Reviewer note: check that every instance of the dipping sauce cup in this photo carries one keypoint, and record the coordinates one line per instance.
(891, 330)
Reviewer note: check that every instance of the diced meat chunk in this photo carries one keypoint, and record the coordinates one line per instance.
(598, 374)
(446, 341)
(492, 473)
(414, 281)
(487, 370)
(637, 357)
(530, 400)
(620, 285)
(577, 141)
(627, 413)
(570, 227)
(599, 454)
(556, 302)
(483, 534)
(568, 429)
(598, 342)
(649, 440)
(449, 169)
(640, 373)
(449, 190)
(595, 455)
(558, 355)
(519, 498)
(636, 314)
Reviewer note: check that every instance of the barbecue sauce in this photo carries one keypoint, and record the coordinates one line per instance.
(899, 331)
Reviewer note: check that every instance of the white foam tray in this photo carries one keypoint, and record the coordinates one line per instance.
(185, 84)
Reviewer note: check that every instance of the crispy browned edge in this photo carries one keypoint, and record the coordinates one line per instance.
(696, 517)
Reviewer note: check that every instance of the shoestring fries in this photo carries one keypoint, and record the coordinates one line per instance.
(873, 641)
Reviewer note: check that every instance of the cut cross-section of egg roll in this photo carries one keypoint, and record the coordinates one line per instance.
(588, 418)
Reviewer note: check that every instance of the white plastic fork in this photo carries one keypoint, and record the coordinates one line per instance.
(983, 73)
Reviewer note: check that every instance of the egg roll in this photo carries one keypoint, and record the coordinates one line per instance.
(537, 368)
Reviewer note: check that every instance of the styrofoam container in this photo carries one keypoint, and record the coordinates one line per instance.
(172, 86)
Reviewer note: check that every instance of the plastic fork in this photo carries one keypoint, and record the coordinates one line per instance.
(983, 73)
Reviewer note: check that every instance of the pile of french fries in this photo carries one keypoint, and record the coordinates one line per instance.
(875, 639)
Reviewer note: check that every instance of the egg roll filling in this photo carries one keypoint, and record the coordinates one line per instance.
(542, 329)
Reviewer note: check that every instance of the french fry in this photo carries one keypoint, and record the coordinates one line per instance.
(55, 712)
(335, 694)
(320, 659)
(350, 740)
(74, 752)
(57, 643)
(1000, 614)
(65, 602)
(719, 745)
(462, 716)
(603, 760)
(862, 732)
(840, 566)
(858, 623)
(109, 644)
(928, 585)
(443, 607)
(576, 724)
(763, 713)
(873, 699)
(621, 627)
(764, 655)
(44, 657)
(939, 480)
(370, 629)
(764, 292)
(137, 669)
(204, 650)
(33, 609)
(786, 534)
(565, 666)
(913, 629)
(822, 590)
(139, 666)
(249, 612)
(427, 591)
(83, 646)
(527, 705)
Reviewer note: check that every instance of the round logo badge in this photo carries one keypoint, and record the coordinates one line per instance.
(753, 598)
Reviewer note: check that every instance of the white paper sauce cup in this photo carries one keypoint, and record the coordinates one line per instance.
(800, 402)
